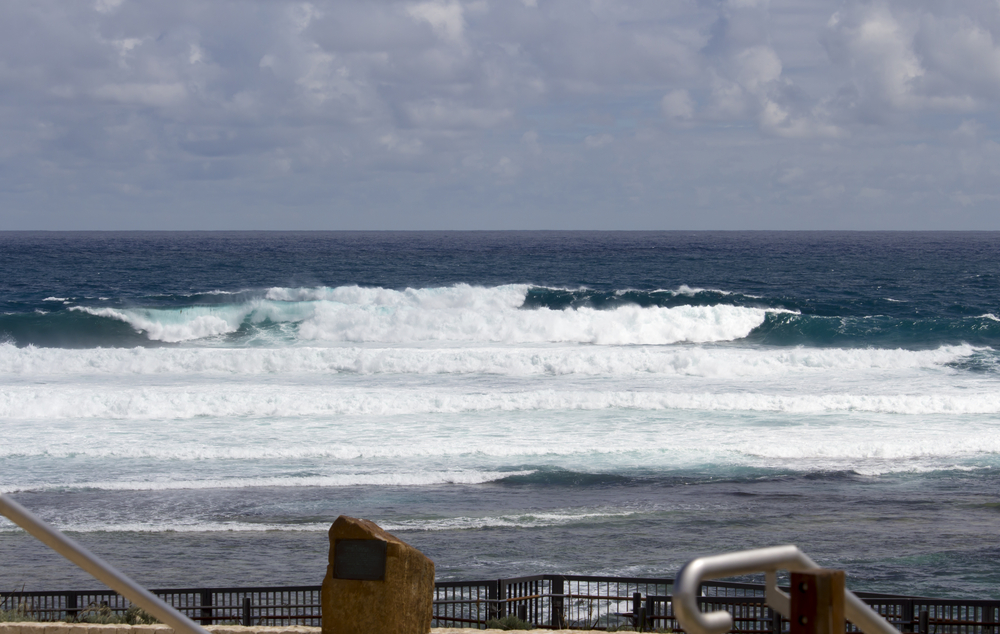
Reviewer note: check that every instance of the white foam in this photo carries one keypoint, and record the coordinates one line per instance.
(518, 360)
(175, 527)
(173, 326)
(524, 520)
(495, 322)
(396, 479)
(459, 313)
(559, 517)
(267, 401)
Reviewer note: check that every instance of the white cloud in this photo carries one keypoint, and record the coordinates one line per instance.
(757, 66)
(506, 168)
(196, 55)
(910, 57)
(598, 140)
(878, 51)
(443, 101)
(446, 114)
(107, 6)
(394, 143)
(677, 104)
(530, 140)
(156, 95)
(445, 17)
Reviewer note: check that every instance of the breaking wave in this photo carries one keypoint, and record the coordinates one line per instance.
(460, 313)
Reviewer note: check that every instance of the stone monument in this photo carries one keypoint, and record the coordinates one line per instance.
(375, 583)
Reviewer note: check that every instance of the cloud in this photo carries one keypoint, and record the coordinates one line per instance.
(446, 18)
(554, 106)
(155, 95)
(903, 57)
(598, 140)
(440, 114)
(107, 6)
(677, 104)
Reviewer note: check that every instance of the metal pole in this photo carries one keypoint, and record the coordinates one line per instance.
(97, 567)
(692, 574)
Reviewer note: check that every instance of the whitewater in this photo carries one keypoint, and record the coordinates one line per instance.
(510, 403)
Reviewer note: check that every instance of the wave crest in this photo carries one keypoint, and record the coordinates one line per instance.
(459, 313)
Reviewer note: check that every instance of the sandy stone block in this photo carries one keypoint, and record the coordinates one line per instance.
(356, 601)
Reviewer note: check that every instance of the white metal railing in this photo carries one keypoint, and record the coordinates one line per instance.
(766, 560)
(100, 569)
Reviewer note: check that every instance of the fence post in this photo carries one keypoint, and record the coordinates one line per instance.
(501, 599)
(71, 605)
(924, 622)
(206, 607)
(247, 621)
(491, 597)
(907, 615)
(817, 602)
(775, 621)
(636, 607)
(558, 590)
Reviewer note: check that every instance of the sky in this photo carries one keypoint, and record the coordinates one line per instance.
(499, 114)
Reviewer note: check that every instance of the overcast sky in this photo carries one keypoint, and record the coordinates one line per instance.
(499, 114)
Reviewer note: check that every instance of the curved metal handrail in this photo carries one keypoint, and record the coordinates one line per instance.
(98, 568)
(767, 560)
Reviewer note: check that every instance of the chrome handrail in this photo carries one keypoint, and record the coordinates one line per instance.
(98, 568)
(766, 560)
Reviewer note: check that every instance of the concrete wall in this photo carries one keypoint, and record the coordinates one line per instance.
(94, 628)
(89, 628)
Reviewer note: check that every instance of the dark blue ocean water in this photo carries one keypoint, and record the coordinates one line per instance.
(198, 407)
(857, 289)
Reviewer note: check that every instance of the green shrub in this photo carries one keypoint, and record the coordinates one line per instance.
(137, 616)
(13, 615)
(94, 613)
(105, 615)
(509, 622)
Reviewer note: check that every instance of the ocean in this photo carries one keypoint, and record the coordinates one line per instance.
(199, 407)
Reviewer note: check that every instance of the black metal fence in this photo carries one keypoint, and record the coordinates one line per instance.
(294, 605)
(546, 601)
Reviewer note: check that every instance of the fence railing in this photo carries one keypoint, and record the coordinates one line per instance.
(546, 601)
(295, 605)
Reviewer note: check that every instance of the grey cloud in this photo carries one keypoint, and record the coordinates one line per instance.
(464, 114)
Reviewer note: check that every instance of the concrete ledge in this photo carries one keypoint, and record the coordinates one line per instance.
(96, 628)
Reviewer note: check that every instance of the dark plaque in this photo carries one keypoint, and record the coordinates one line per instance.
(362, 559)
